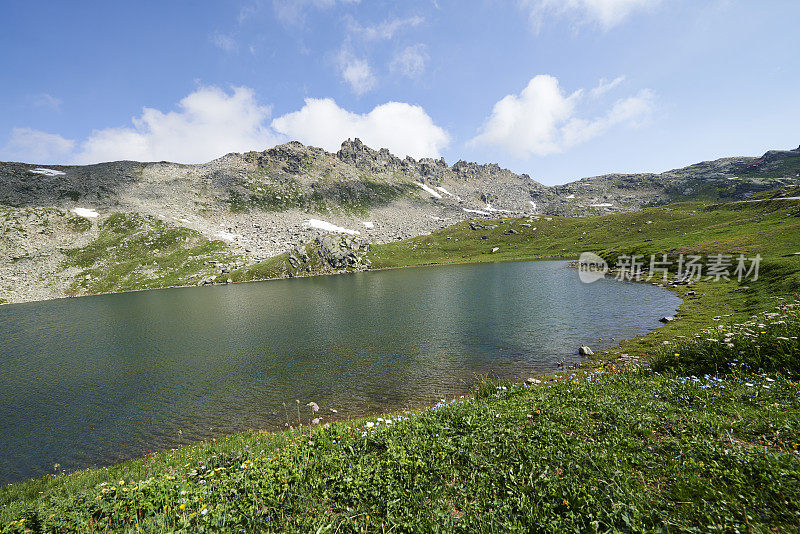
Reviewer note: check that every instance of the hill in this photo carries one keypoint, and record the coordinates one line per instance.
(71, 230)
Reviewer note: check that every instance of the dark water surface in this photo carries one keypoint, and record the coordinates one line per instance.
(94, 380)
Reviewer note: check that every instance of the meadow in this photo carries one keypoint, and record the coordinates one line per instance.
(692, 428)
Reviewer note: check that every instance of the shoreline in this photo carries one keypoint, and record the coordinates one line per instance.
(310, 275)
(570, 363)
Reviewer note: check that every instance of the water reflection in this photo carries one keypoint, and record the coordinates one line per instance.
(94, 380)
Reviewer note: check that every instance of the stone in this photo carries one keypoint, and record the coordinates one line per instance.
(585, 351)
(667, 319)
(533, 381)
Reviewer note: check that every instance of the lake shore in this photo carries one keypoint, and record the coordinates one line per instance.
(607, 446)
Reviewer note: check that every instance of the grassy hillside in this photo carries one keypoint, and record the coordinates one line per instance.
(707, 443)
(138, 252)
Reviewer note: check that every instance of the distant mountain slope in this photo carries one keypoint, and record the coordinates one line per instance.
(260, 204)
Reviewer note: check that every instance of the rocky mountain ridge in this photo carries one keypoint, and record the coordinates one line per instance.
(260, 204)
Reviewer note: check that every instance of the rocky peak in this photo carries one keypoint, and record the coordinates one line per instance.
(356, 153)
(292, 157)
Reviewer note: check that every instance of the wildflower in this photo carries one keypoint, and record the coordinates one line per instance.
(565, 502)
(182, 507)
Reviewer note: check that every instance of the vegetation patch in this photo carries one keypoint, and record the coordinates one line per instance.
(706, 440)
(614, 449)
(138, 252)
(348, 196)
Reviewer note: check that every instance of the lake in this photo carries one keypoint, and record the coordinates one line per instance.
(94, 380)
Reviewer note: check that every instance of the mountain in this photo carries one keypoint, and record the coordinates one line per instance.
(176, 223)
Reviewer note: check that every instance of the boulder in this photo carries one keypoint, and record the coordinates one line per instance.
(667, 319)
(585, 351)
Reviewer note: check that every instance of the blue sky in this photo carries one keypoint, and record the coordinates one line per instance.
(558, 89)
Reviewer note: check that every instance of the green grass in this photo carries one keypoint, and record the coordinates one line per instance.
(611, 450)
(788, 166)
(603, 448)
(689, 227)
(137, 252)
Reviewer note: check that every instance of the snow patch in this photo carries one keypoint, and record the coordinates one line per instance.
(86, 213)
(490, 208)
(226, 236)
(445, 191)
(601, 205)
(329, 227)
(47, 172)
(480, 212)
(368, 224)
(570, 196)
(429, 189)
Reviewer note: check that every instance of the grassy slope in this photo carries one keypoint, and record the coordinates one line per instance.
(628, 451)
(138, 252)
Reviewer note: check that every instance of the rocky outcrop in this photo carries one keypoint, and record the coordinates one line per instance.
(330, 253)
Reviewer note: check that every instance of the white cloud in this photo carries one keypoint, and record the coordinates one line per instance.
(633, 110)
(604, 86)
(208, 124)
(543, 120)
(211, 122)
(402, 128)
(410, 61)
(34, 146)
(224, 42)
(356, 72)
(605, 13)
(45, 100)
(385, 30)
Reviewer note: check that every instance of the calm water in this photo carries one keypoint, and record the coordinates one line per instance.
(94, 380)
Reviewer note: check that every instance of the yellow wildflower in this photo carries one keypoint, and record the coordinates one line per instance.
(565, 502)
(183, 506)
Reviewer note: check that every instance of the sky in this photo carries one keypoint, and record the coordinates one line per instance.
(557, 89)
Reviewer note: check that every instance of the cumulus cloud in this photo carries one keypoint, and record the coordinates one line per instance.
(34, 146)
(543, 119)
(605, 13)
(402, 128)
(410, 61)
(356, 72)
(209, 123)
